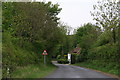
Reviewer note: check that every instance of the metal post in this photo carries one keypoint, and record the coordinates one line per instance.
(44, 59)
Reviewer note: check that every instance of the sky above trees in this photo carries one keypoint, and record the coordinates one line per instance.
(75, 12)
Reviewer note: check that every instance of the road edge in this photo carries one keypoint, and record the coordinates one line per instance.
(111, 75)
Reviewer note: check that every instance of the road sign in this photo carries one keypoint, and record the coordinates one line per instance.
(44, 52)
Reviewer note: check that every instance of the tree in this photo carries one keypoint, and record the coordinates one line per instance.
(86, 36)
(28, 29)
(106, 14)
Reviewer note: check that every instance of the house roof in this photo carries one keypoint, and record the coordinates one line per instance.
(75, 50)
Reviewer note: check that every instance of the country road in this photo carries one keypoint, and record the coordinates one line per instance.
(70, 71)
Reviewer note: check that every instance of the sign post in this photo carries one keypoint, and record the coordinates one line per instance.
(44, 59)
(44, 53)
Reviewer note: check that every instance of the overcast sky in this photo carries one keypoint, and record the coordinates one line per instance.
(75, 12)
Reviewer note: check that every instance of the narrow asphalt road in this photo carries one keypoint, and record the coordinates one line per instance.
(70, 71)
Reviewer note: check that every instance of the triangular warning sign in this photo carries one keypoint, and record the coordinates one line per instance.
(44, 52)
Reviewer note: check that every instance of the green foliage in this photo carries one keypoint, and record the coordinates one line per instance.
(106, 53)
(28, 29)
(66, 56)
(82, 56)
(100, 47)
(73, 58)
(106, 14)
(99, 50)
(87, 35)
(14, 55)
(104, 38)
(58, 56)
(63, 61)
(33, 71)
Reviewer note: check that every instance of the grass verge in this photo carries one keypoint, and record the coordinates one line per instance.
(112, 71)
(33, 71)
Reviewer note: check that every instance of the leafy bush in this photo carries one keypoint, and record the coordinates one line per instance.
(73, 58)
(65, 56)
(15, 55)
(63, 61)
(104, 38)
(59, 56)
(106, 52)
(83, 56)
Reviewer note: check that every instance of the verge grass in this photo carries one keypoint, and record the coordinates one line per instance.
(96, 67)
(33, 71)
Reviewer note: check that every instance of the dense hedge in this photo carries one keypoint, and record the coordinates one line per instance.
(28, 29)
(14, 55)
(63, 61)
(73, 58)
(105, 55)
(100, 50)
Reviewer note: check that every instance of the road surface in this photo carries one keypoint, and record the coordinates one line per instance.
(70, 71)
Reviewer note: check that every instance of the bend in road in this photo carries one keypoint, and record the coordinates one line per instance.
(70, 71)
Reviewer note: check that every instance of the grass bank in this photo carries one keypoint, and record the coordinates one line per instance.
(114, 72)
(33, 71)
